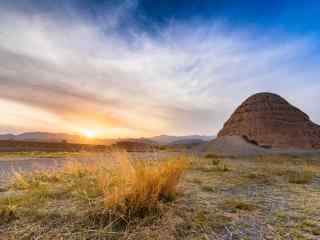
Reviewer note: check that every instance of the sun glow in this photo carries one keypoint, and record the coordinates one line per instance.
(88, 133)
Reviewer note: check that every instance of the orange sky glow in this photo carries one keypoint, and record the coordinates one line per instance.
(66, 74)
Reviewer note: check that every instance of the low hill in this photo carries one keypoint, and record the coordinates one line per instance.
(25, 146)
(269, 120)
(240, 146)
(32, 146)
(187, 142)
(232, 146)
(167, 139)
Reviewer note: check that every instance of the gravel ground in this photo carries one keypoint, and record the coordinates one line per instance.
(224, 199)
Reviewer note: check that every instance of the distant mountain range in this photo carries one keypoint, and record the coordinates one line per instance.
(61, 137)
(187, 142)
(167, 139)
(40, 136)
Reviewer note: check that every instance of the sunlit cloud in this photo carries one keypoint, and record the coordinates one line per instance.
(62, 74)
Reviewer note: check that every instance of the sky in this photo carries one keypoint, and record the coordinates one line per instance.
(139, 68)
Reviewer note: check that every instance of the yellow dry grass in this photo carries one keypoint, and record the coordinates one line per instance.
(126, 188)
(137, 189)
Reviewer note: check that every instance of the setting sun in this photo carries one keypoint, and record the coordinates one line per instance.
(89, 133)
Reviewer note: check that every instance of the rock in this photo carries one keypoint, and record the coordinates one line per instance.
(268, 120)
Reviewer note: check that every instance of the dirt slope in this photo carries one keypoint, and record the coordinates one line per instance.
(233, 146)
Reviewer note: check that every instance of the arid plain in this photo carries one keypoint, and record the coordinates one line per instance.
(246, 184)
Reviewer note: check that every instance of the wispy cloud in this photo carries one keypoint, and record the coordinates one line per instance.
(186, 78)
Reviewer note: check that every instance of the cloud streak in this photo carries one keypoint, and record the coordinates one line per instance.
(186, 78)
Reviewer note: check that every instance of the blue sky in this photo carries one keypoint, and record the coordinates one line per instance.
(142, 68)
(293, 16)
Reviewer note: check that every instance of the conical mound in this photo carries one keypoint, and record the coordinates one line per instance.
(269, 120)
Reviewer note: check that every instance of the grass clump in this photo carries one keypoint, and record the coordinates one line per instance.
(8, 212)
(300, 177)
(213, 158)
(138, 188)
(99, 194)
(209, 222)
(234, 204)
(216, 168)
(311, 227)
(211, 165)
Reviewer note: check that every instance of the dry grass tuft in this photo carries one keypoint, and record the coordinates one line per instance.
(210, 165)
(137, 189)
(122, 189)
(304, 175)
(288, 168)
(234, 204)
(8, 213)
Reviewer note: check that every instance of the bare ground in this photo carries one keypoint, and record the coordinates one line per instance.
(238, 146)
(271, 197)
